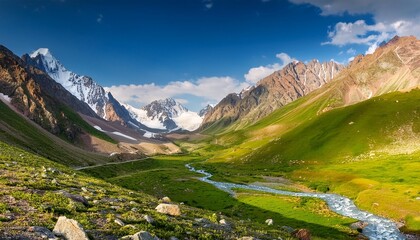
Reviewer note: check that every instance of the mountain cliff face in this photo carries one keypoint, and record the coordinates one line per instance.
(395, 66)
(278, 89)
(82, 87)
(39, 97)
(166, 114)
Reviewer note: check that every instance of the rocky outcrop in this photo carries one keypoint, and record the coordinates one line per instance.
(70, 229)
(169, 209)
(278, 89)
(39, 97)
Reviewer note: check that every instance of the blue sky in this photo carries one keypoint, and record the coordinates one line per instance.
(197, 51)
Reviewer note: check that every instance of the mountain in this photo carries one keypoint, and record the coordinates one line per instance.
(278, 89)
(166, 114)
(82, 87)
(33, 93)
(205, 110)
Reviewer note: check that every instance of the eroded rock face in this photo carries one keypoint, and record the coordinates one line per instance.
(169, 209)
(69, 229)
(278, 89)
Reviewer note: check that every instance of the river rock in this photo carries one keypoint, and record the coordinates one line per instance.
(302, 234)
(143, 235)
(70, 229)
(269, 222)
(169, 209)
(358, 226)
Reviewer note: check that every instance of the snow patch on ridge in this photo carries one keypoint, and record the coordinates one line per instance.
(5, 97)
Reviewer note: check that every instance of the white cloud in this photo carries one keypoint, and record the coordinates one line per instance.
(391, 18)
(99, 18)
(257, 73)
(211, 89)
(351, 51)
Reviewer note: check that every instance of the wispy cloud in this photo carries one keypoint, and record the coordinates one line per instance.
(208, 89)
(208, 4)
(99, 18)
(257, 73)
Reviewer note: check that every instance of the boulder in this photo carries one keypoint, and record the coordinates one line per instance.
(169, 209)
(165, 200)
(69, 229)
(269, 222)
(143, 235)
(302, 234)
(358, 226)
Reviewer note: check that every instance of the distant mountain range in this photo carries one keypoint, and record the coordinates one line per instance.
(158, 116)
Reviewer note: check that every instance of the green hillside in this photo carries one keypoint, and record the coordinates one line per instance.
(369, 151)
(17, 131)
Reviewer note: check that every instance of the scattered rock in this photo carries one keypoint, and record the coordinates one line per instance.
(173, 238)
(95, 201)
(134, 209)
(149, 219)
(248, 238)
(143, 235)
(43, 232)
(417, 198)
(269, 222)
(223, 222)
(119, 222)
(54, 181)
(84, 189)
(358, 226)
(74, 197)
(351, 123)
(170, 209)
(302, 234)
(288, 229)
(165, 200)
(132, 203)
(128, 237)
(70, 229)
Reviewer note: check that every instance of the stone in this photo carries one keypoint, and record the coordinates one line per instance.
(302, 234)
(132, 203)
(119, 222)
(84, 189)
(173, 238)
(74, 197)
(248, 238)
(288, 229)
(43, 232)
(358, 226)
(165, 200)
(269, 222)
(143, 235)
(169, 209)
(223, 222)
(149, 219)
(54, 181)
(69, 229)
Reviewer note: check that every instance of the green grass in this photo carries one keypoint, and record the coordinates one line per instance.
(17, 131)
(367, 151)
(77, 120)
(168, 176)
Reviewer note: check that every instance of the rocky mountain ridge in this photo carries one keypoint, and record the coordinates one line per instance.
(295, 80)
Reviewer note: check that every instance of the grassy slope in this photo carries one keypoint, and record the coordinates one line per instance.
(167, 176)
(369, 155)
(16, 130)
(29, 196)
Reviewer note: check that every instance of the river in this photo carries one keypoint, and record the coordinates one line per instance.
(378, 228)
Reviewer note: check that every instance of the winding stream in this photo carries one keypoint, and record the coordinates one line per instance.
(377, 228)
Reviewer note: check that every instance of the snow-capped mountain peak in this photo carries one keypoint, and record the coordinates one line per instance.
(41, 51)
(166, 114)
